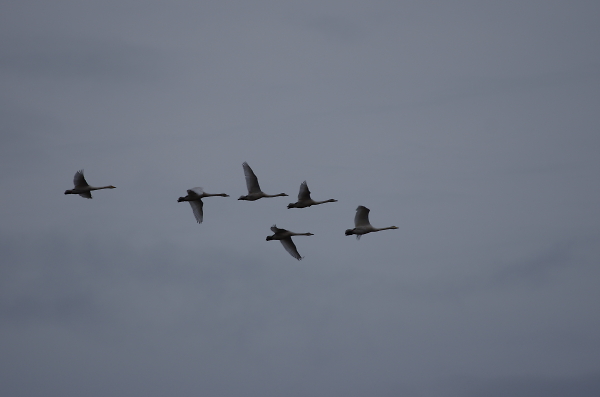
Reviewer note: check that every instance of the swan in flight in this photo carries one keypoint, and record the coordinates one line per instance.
(304, 199)
(82, 188)
(285, 236)
(254, 192)
(362, 225)
(194, 197)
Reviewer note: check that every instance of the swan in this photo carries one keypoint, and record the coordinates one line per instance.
(254, 192)
(285, 236)
(304, 199)
(82, 188)
(362, 225)
(194, 197)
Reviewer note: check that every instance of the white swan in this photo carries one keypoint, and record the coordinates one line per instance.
(254, 192)
(362, 225)
(304, 199)
(194, 197)
(285, 236)
(82, 188)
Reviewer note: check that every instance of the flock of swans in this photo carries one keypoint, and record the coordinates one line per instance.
(195, 195)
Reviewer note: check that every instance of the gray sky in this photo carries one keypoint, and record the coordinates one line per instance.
(472, 126)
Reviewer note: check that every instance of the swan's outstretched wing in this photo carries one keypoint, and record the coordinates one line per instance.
(79, 181)
(290, 247)
(251, 179)
(197, 208)
(304, 193)
(362, 216)
(195, 191)
(275, 229)
(86, 195)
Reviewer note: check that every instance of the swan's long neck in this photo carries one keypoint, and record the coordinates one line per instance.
(275, 195)
(102, 187)
(302, 234)
(216, 194)
(386, 228)
(326, 201)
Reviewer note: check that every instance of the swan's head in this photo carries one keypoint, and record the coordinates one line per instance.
(349, 232)
(112, 187)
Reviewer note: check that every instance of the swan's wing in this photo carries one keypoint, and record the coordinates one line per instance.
(362, 216)
(79, 180)
(251, 179)
(275, 229)
(86, 194)
(197, 208)
(290, 247)
(195, 191)
(304, 193)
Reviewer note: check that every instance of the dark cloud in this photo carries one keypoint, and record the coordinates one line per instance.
(337, 28)
(536, 270)
(64, 57)
(584, 386)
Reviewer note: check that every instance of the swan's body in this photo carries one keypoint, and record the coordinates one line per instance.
(304, 199)
(362, 224)
(254, 192)
(82, 188)
(285, 236)
(194, 197)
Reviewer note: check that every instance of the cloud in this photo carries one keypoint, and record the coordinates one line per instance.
(62, 57)
(578, 386)
(535, 270)
(336, 28)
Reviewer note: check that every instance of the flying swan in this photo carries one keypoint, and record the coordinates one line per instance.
(304, 199)
(194, 197)
(254, 192)
(362, 225)
(82, 188)
(285, 236)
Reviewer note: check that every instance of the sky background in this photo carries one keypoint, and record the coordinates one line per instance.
(472, 126)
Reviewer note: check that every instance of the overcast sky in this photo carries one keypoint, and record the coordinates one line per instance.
(472, 126)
